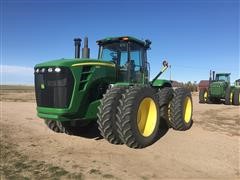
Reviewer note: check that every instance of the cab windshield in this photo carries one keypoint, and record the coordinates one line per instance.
(118, 53)
(222, 77)
(129, 57)
(114, 52)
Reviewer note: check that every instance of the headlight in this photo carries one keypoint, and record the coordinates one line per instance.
(50, 70)
(37, 70)
(43, 70)
(57, 69)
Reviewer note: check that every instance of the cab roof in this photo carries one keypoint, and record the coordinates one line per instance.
(124, 38)
(223, 74)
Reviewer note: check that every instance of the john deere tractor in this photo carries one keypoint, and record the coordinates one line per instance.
(113, 90)
(219, 88)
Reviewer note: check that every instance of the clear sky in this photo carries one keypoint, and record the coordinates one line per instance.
(194, 35)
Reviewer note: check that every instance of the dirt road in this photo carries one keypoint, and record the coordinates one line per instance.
(210, 149)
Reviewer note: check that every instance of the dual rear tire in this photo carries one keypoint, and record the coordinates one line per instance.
(236, 97)
(181, 108)
(176, 108)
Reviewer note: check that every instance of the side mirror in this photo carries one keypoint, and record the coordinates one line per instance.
(165, 63)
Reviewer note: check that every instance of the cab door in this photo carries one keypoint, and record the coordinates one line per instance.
(137, 63)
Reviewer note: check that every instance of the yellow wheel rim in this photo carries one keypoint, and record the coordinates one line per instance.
(147, 117)
(205, 96)
(187, 109)
(239, 98)
(231, 97)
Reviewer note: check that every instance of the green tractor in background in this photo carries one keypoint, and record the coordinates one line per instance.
(237, 83)
(219, 88)
(113, 90)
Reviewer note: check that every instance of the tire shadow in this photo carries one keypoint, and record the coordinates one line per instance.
(162, 132)
(216, 102)
(90, 132)
(163, 129)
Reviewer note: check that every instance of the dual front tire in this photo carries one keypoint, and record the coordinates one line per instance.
(129, 116)
(232, 96)
(138, 117)
(203, 96)
(107, 114)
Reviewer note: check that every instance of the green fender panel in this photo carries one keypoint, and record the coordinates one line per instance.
(161, 83)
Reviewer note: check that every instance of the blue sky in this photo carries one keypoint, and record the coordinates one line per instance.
(195, 36)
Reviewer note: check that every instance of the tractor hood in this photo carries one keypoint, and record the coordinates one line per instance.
(71, 88)
(217, 89)
(218, 84)
(75, 63)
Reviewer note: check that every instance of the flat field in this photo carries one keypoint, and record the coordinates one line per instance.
(29, 150)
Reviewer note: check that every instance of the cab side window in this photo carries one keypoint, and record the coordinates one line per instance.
(136, 62)
(136, 56)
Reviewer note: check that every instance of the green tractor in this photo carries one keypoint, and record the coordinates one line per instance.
(113, 90)
(218, 89)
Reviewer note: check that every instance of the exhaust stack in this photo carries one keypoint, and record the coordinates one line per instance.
(210, 76)
(77, 43)
(213, 75)
(85, 49)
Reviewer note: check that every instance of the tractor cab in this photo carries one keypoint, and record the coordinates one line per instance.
(223, 77)
(129, 56)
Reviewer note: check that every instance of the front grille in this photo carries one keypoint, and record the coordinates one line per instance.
(53, 89)
(216, 90)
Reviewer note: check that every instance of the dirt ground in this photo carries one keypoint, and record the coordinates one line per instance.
(29, 150)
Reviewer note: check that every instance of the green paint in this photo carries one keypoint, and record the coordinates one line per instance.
(92, 110)
(79, 102)
(67, 62)
(120, 84)
(161, 83)
(52, 116)
(42, 86)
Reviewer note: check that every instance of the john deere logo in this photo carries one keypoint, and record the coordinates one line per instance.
(42, 86)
